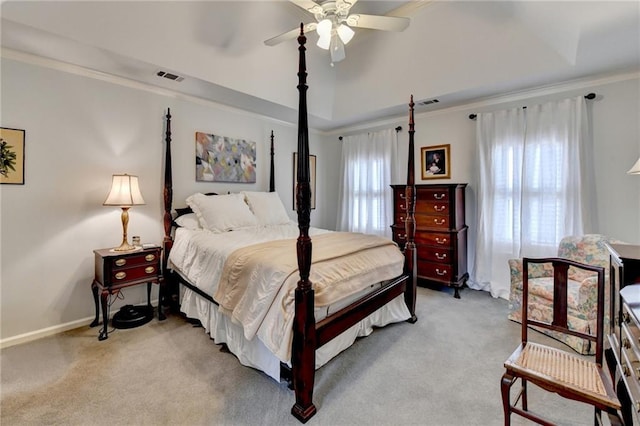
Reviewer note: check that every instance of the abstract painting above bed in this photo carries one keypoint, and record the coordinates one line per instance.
(225, 159)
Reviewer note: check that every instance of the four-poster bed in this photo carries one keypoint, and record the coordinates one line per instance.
(311, 331)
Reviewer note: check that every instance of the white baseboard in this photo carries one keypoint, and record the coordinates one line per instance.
(50, 331)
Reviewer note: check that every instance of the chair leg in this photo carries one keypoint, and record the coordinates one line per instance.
(505, 389)
(525, 404)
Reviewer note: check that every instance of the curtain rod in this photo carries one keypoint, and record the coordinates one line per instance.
(397, 129)
(587, 96)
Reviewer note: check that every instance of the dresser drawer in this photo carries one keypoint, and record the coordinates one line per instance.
(435, 271)
(433, 208)
(431, 221)
(433, 194)
(438, 239)
(435, 254)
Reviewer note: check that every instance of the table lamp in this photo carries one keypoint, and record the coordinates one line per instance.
(125, 192)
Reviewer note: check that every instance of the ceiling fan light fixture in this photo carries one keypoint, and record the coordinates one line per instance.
(324, 42)
(345, 33)
(324, 28)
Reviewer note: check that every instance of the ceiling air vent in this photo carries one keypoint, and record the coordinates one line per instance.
(428, 102)
(170, 76)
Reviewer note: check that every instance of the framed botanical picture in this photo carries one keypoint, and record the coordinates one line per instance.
(12, 156)
(312, 179)
(435, 161)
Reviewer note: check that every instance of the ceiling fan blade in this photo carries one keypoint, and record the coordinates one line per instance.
(290, 35)
(376, 22)
(308, 5)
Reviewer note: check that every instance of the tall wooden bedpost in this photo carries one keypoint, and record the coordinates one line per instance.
(303, 358)
(272, 181)
(167, 286)
(410, 224)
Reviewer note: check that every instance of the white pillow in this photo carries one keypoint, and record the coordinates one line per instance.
(189, 221)
(221, 213)
(267, 207)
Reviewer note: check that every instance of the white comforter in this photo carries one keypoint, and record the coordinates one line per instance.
(201, 256)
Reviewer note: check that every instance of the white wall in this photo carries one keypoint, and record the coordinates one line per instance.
(79, 131)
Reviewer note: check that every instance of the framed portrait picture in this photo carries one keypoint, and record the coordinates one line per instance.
(312, 179)
(435, 161)
(11, 156)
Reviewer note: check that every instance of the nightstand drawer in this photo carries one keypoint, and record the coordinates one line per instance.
(132, 274)
(129, 261)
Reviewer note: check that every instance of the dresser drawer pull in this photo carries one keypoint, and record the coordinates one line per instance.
(401, 219)
(441, 273)
(441, 241)
(402, 236)
(121, 275)
(402, 207)
(439, 196)
(120, 262)
(402, 196)
(150, 257)
(439, 208)
(439, 222)
(150, 269)
(625, 343)
(441, 256)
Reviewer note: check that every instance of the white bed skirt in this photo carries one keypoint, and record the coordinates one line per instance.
(253, 353)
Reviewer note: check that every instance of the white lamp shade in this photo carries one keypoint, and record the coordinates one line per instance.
(324, 28)
(635, 170)
(125, 191)
(324, 42)
(345, 33)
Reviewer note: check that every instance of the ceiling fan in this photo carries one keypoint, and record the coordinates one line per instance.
(333, 25)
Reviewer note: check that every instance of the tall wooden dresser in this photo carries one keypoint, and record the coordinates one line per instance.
(441, 232)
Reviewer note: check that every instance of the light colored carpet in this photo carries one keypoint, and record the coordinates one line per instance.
(443, 370)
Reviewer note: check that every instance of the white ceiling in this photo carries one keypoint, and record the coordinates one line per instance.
(455, 51)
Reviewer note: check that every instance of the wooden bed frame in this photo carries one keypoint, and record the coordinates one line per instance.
(309, 335)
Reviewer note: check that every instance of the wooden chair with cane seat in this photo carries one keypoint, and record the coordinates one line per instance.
(569, 375)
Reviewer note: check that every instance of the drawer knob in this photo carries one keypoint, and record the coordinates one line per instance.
(149, 269)
(441, 256)
(441, 273)
(439, 221)
(439, 208)
(120, 262)
(439, 196)
(402, 207)
(121, 275)
(441, 241)
(150, 257)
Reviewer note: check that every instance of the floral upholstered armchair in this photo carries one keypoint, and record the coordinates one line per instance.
(582, 297)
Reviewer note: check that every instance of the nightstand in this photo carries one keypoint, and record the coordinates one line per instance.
(117, 270)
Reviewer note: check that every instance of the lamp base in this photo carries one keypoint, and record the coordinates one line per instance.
(125, 246)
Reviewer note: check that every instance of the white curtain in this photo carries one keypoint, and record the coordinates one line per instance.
(531, 192)
(365, 200)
